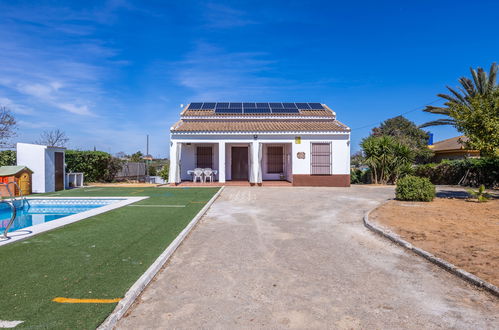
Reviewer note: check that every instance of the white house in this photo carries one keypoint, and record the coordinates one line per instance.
(47, 164)
(302, 143)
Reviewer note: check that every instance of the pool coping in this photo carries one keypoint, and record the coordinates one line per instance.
(64, 221)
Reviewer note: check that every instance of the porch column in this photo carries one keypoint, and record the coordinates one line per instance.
(221, 161)
(172, 174)
(255, 160)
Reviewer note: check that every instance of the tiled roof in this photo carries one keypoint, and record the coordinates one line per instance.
(263, 125)
(450, 144)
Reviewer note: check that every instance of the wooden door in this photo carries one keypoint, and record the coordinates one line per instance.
(239, 163)
(25, 184)
(59, 171)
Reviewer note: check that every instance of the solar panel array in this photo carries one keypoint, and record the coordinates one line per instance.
(254, 108)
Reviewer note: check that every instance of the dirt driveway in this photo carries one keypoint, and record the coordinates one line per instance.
(301, 258)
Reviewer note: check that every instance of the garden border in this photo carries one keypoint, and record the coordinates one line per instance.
(475, 280)
(139, 286)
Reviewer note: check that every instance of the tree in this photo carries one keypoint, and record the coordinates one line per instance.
(473, 110)
(136, 157)
(53, 138)
(480, 85)
(407, 133)
(480, 123)
(387, 158)
(8, 126)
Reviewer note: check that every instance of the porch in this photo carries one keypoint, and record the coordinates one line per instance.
(241, 162)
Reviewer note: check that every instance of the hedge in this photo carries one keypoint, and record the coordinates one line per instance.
(96, 165)
(413, 188)
(469, 172)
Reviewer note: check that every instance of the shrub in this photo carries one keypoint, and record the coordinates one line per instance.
(359, 176)
(469, 172)
(7, 158)
(413, 188)
(387, 158)
(96, 165)
(163, 173)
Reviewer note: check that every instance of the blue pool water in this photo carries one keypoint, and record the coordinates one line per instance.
(45, 210)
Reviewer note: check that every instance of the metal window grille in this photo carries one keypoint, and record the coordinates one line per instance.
(204, 157)
(275, 159)
(321, 158)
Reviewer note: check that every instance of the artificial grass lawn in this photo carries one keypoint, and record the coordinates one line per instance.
(98, 257)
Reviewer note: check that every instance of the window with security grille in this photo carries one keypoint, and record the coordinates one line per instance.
(204, 157)
(275, 159)
(321, 158)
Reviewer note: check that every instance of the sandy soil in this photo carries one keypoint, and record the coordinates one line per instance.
(462, 232)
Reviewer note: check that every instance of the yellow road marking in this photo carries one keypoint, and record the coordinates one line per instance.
(85, 301)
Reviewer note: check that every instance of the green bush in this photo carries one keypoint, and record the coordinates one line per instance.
(413, 188)
(7, 158)
(469, 172)
(164, 172)
(96, 165)
(360, 176)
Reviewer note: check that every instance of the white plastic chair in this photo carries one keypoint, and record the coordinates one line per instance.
(197, 173)
(208, 173)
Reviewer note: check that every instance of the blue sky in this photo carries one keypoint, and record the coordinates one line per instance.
(110, 72)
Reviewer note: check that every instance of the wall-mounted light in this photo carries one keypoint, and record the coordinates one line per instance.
(255, 137)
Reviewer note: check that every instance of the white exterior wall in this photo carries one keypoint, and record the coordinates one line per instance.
(188, 158)
(41, 160)
(340, 149)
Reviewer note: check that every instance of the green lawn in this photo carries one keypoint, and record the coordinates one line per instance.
(98, 258)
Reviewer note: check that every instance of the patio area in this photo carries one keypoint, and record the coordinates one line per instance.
(230, 183)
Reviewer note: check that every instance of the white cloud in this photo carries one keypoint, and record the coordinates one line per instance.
(16, 108)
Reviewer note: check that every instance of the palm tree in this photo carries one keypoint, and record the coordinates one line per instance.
(482, 84)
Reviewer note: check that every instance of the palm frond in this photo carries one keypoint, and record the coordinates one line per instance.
(468, 86)
(460, 97)
(437, 110)
(476, 79)
(492, 77)
(448, 97)
(439, 122)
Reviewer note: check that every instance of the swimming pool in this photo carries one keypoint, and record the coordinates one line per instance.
(45, 210)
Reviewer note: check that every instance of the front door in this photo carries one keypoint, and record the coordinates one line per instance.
(59, 171)
(239, 163)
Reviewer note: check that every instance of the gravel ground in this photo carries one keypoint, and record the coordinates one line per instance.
(301, 258)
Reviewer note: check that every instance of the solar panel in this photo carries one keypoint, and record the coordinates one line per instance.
(249, 105)
(302, 106)
(279, 110)
(229, 110)
(222, 105)
(236, 105)
(195, 106)
(262, 105)
(256, 110)
(316, 106)
(208, 105)
(276, 105)
(289, 106)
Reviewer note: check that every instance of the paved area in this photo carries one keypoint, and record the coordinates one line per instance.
(301, 258)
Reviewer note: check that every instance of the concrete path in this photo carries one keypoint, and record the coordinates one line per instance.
(301, 258)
